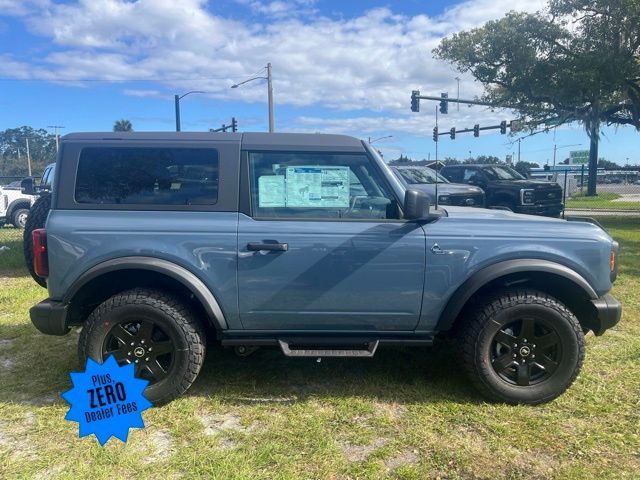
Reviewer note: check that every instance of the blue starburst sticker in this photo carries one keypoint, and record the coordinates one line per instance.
(106, 400)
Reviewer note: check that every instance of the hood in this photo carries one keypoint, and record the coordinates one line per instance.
(446, 188)
(527, 183)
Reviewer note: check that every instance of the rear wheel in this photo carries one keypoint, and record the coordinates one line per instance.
(37, 217)
(523, 346)
(154, 331)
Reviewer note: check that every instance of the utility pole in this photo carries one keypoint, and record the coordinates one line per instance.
(458, 98)
(29, 155)
(272, 126)
(555, 149)
(55, 130)
(519, 140)
(176, 99)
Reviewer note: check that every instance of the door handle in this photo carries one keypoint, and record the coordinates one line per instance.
(268, 246)
(436, 250)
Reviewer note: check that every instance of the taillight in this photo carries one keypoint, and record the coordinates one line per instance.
(40, 258)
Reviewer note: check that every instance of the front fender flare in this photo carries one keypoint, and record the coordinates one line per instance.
(458, 300)
(176, 272)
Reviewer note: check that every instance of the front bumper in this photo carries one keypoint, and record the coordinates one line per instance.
(553, 210)
(609, 311)
(50, 317)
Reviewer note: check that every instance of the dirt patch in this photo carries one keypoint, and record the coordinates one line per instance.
(6, 363)
(214, 424)
(404, 458)
(262, 400)
(359, 453)
(391, 410)
(50, 472)
(162, 446)
(6, 342)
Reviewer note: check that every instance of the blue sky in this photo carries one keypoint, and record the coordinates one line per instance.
(340, 67)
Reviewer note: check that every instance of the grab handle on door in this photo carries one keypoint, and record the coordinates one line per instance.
(268, 246)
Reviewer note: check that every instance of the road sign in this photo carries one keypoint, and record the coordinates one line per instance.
(579, 157)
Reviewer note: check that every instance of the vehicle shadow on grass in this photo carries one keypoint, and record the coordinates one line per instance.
(401, 375)
(394, 374)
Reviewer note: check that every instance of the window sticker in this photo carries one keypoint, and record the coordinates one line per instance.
(319, 186)
(271, 191)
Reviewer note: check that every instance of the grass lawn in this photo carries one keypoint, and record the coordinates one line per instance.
(603, 201)
(407, 413)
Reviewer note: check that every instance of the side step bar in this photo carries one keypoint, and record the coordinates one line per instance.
(302, 352)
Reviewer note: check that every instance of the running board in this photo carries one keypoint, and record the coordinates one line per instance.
(304, 352)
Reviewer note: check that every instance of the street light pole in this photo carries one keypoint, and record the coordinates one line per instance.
(458, 80)
(177, 99)
(55, 129)
(270, 95)
(269, 79)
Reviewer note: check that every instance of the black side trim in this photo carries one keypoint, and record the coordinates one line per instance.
(458, 300)
(50, 317)
(182, 275)
(609, 312)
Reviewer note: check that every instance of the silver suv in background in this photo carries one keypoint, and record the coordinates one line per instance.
(424, 179)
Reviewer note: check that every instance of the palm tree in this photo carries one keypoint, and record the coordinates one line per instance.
(122, 126)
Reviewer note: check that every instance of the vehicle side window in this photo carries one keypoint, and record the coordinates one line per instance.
(318, 186)
(452, 174)
(147, 176)
(470, 174)
(45, 177)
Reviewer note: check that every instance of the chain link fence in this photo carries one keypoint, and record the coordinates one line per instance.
(618, 191)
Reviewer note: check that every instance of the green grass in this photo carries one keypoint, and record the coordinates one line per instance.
(407, 413)
(603, 201)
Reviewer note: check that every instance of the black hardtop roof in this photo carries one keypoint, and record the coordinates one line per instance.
(480, 165)
(249, 140)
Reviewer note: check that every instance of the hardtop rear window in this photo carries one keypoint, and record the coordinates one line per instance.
(147, 176)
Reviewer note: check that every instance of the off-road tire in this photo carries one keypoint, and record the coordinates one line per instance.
(478, 337)
(169, 313)
(17, 216)
(36, 219)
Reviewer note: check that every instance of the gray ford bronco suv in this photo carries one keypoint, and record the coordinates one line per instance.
(159, 244)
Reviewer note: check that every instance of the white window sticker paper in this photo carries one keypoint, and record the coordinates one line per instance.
(271, 191)
(321, 186)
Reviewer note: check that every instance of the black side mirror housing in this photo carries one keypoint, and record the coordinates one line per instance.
(27, 187)
(416, 205)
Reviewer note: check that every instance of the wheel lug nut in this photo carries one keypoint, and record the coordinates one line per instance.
(129, 353)
(146, 359)
(515, 345)
(533, 356)
(132, 344)
(514, 355)
(141, 341)
(137, 361)
(524, 340)
(150, 349)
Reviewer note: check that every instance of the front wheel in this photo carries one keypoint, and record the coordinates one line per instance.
(523, 346)
(154, 331)
(20, 217)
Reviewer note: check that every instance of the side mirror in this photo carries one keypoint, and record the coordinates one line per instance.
(416, 205)
(27, 187)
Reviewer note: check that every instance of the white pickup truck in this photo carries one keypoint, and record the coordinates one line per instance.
(14, 206)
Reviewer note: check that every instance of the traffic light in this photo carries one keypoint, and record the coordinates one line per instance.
(415, 101)
(476, 130)
(452, 133)
(444, 103)
(503, 127)
(234, 124)
(435, 134)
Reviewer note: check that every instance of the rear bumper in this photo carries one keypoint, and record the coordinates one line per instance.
(50, 317)
(609, 311)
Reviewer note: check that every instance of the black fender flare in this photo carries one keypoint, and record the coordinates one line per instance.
(172, 270)
(459, 299)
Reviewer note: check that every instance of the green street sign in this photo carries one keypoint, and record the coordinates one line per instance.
(579, 157)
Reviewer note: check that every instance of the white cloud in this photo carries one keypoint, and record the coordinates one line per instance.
(370, 62)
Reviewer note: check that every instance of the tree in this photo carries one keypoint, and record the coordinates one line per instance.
(576, 62)
(13, 150)
(483, 159)
(602, 163)
(524, 168)
(122, 126)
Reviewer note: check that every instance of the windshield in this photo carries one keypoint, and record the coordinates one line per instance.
(502, 173)
(414, 176)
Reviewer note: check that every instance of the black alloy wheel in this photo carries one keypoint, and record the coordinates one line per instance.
(144, 344)
(527, 351)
